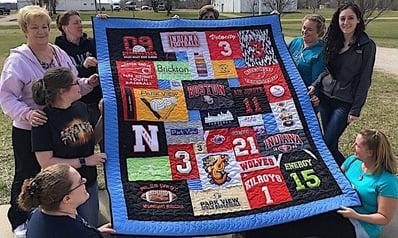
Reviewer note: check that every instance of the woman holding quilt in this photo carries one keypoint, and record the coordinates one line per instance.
(372, 171)
(343, 89)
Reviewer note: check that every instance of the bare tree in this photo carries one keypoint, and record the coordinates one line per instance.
(199, 3)
(314, 5)
(252, 5)
(50, 5)
(279, 5)
(372, 9)
(155, 4)
(169, 6)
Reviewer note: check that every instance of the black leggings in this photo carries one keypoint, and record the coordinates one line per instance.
(26, 166)
(327, 225)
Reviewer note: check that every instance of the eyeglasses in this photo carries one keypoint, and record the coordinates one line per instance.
(81, 183)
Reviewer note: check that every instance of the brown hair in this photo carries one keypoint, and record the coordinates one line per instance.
(334, 38)
(320, 22)
(63, 19)
(46, 189)
(46, 90)
(378, 143)
(28, 13)
(208, 8)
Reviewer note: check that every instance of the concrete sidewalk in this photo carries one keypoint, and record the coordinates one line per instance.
(389, 231)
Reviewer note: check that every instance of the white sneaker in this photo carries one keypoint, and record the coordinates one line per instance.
(20, 231)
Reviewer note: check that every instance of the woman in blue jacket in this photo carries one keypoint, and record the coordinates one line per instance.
(350, 56)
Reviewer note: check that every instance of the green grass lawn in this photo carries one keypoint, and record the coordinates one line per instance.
(379, 112)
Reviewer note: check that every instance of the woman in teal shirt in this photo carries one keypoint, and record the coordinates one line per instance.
(307, 50)
(372, 172)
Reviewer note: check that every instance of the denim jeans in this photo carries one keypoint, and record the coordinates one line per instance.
(90, 209)
(26, 166)
(334, 116)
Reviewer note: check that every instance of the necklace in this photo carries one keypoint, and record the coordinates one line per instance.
(44, 64)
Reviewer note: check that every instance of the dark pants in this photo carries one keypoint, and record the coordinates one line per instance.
(26, 166)
(334, 117)
(328, 225)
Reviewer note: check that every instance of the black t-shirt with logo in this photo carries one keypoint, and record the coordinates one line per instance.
(69, 134)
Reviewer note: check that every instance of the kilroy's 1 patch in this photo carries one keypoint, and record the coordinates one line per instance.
(209, 129)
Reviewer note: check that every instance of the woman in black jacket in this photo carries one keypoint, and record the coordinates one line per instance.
(82, 52)
(350, 56)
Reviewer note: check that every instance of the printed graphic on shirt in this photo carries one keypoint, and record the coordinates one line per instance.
(134, 45)
(146, 169)
(183, 132)
(277, 92)
(183, 41)
(219, 118)
(260, 75)
(173, 70)
(265, 187)
(140, 74)
(200, 65)
(128, 102)
(244, 143)
(258, 163)
(151, 197)
(218, 201)
(143, 139)
(218, 170)
(224, 69)
(183, 162)
(160, 105)
(257, 47)
(286, 115)
(252, 120)
(77, 132)
(250, 100)
(207, 94)
(224, 45)
(283, 143)
(218, 140)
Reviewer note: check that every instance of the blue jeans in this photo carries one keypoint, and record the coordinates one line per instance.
(334, 116)
(90, 209)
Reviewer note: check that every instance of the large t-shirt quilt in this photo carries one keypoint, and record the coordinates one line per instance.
(209, 128)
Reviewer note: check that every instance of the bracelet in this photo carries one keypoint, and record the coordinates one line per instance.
(82, 161)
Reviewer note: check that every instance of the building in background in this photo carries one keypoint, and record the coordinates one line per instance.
(80, 5)
(254, 6)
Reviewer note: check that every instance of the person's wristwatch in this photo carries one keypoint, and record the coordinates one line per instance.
(82, 161)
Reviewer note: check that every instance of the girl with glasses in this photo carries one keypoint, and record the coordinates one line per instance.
(57, 191)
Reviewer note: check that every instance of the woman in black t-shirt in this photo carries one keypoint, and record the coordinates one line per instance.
(68, 137)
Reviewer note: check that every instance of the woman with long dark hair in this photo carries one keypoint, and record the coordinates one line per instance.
(350, 56)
